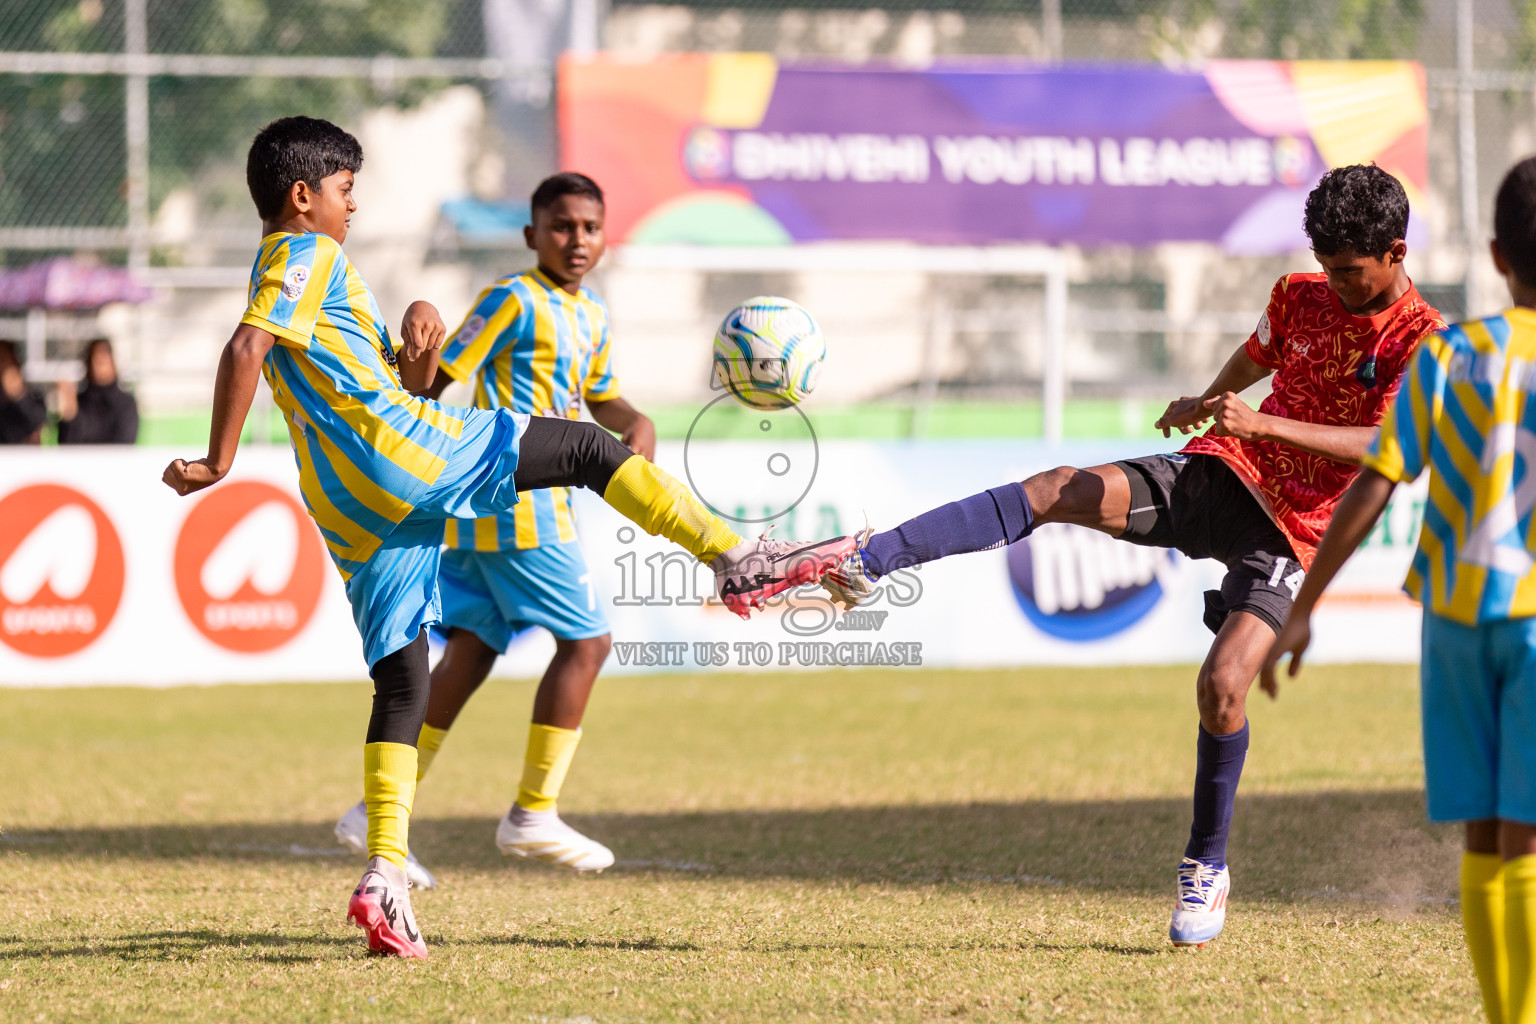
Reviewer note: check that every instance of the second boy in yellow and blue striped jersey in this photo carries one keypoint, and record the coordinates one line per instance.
(381, 468)
(536, 343)
(1465, 413)
(532, 346)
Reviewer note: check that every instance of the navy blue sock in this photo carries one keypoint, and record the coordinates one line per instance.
(1218, 766)
(990, 519)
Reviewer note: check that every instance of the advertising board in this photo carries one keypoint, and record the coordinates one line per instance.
(106, 577)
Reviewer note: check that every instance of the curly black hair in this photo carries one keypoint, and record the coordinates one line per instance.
(1360, 209)
(294, 149)
(1514, 220)
(566, 183)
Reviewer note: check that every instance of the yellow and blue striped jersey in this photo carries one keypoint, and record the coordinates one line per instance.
(367, 451)
(530, 346)
(1463, 413)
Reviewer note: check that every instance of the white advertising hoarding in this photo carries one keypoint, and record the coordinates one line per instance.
(107, 577)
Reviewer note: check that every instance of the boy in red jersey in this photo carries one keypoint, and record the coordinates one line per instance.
(1255, 491)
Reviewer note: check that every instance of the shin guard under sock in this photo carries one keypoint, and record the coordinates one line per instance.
(1520, 938)
(991, 519)
(1482, 916)
(549, 756)
(389, 788)
(1218, 766)
(428, 743)
(654, 501)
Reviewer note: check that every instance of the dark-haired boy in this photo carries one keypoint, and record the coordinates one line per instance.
(1465, 414)
(537, 343)
(381, 469)
(1254, 492)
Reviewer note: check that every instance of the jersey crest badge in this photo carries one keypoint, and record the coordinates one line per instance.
(293, 284)
(1263, 330)
(1366, 375)
(473, 326)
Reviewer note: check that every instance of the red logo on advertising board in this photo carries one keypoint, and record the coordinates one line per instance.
(61, 570)
(249, 567)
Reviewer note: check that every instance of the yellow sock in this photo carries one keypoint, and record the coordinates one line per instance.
(654, 501)
(1482, 915)
(550, 751)
(1520, 938)
(389, 786)
(427, 745)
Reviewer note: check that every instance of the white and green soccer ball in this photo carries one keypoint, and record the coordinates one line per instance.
(768, 353)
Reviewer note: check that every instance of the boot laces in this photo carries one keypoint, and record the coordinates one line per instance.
(1197, 880)
(767, 545)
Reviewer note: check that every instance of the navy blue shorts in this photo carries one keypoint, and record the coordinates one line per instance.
(1196, 504)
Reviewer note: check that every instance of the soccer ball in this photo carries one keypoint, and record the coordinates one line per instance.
(768, 353)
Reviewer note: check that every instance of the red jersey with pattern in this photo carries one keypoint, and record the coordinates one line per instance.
(1333, 367)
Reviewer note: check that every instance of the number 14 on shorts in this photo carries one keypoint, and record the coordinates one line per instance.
(1293, 581)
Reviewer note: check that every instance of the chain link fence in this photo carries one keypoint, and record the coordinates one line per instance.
(123, 125)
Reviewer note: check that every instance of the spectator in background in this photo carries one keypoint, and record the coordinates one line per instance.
(22, 412)
(99, 411)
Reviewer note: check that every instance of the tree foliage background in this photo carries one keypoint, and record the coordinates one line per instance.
(62, 145)
(62, 137)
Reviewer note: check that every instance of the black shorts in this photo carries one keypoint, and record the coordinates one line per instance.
(1197, 504)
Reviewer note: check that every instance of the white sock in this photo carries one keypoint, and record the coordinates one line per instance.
(729, 558)
(521, 816)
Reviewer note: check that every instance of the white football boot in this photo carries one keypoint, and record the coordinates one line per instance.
(541, 835)
(352, 832)
(1201, 911)
(847, 582)
(755, 570)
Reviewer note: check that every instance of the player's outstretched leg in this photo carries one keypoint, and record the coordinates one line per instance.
(381, 904)
(561, 453)
(1098, 497)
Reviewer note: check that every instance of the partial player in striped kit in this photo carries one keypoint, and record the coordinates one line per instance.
(537, 343)
(1465, 414)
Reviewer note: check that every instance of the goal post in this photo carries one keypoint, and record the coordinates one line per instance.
(1037, 262)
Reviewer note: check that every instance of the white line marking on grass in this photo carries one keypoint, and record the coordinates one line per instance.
(1331, 893)
(292, 849)
(663, 865)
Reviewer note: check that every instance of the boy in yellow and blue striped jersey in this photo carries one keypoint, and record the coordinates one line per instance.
(538, 343)
(1465, 414)
(381, 470)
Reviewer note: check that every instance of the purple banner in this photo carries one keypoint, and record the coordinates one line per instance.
(754, 153)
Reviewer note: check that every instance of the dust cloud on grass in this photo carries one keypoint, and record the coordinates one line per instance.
(855, 845)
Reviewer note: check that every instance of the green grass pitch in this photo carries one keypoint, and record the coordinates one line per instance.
(870, 846)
